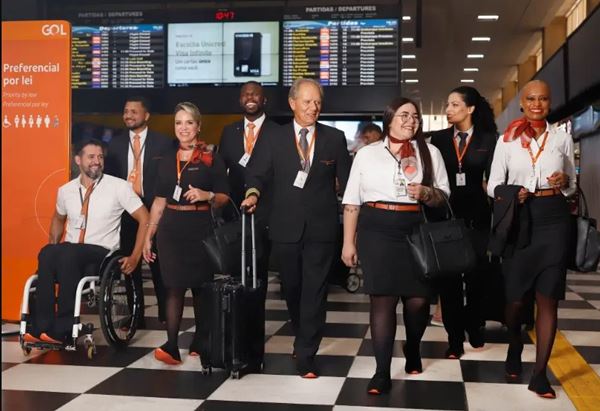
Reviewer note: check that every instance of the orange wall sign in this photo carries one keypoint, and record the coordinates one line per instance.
(36, 127)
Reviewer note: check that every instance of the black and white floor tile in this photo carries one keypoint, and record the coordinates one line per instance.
(132, 379)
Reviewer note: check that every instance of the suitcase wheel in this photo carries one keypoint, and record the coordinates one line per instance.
(235, 375)
(352, 283)
(206, 370)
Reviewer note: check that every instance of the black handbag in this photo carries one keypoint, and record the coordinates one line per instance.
(224, 245)
(442, 249)
(586, 243)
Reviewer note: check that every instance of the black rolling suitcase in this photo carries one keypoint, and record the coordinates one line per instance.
(232, 319)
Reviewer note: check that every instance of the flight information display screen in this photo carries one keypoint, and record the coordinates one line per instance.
(118, 56)
(362, 52)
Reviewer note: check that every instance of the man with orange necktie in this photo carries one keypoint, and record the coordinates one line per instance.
(91, 205)
(238, 142)
(134, 156)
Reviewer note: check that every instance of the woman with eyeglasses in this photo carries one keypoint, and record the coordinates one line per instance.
(467, 148)
(390, 181)
(534, 163)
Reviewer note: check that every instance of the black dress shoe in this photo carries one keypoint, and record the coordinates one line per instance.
(307, 368)
(413, 359)
(194, 350)
(476, 338)
(454, 353)
(254, 367)
(513, 365)
(381, 383)
(541, 386)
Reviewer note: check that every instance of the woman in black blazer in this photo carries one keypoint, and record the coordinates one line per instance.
(467, 148)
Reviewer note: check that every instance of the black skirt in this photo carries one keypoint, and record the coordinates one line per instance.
(541, 265)
(182, 256)
(387, 264)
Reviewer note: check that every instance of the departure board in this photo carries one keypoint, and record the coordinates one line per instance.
(341, 53)
(120, 56)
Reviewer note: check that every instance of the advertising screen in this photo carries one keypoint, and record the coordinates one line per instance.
(218, 53)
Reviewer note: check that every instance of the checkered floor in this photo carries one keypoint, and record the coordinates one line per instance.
(132, 379)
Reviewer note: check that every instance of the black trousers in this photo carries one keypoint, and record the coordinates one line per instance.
(65, 264)
(129, 228)
(457, 316)
(304, 267)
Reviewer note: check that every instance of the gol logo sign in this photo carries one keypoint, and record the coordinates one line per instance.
(53, 30)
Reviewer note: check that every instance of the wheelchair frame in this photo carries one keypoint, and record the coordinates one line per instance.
(97, 290)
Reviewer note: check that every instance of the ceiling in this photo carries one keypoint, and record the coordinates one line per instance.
(447, 29)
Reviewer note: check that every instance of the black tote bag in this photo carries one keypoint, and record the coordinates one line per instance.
(442, 249)
(586, 242)
(224, 245)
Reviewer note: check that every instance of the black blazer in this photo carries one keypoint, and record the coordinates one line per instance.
(313, 209)
(232, 148)
(510, 228)
(156, 146)
(471, 201)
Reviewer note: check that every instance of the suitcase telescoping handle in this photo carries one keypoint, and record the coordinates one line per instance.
(254, 285)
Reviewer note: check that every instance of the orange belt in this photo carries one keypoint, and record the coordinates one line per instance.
(191, 207)
(547, 192)
(395, 207)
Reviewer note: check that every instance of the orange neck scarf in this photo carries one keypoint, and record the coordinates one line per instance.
(524, 129)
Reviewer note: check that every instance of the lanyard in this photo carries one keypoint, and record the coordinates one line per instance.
(535, 159)
(460, 156)
(179, 169)
(392, 154)
(312, 143)
(89, 190)
(136, 158)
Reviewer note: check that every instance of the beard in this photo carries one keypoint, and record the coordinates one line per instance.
(136, 125)
(93, 173)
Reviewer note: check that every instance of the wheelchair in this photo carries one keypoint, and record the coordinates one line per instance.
(119, 310)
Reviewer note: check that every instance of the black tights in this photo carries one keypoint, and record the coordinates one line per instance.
(545, 327)
(383, 325)
(174, 311)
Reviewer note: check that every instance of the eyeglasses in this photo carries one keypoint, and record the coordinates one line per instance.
(404, 116)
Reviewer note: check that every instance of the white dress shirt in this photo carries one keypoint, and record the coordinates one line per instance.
(111, 196)
(131, 159)
(257, 124)
(457, 138)
(374, 169)
(309, 137)
(512, 163)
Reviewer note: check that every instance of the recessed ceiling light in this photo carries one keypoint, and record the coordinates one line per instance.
(475, 56)
(407, 39)
(470, 69)
(467, 80)
(411, 80)
(409, 70)
(409, 56)
(406, 18)
(487, 17)
(481, 38)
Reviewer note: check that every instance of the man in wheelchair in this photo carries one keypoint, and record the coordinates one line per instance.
(91, 206)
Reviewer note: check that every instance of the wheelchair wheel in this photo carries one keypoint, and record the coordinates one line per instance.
(118, 311)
